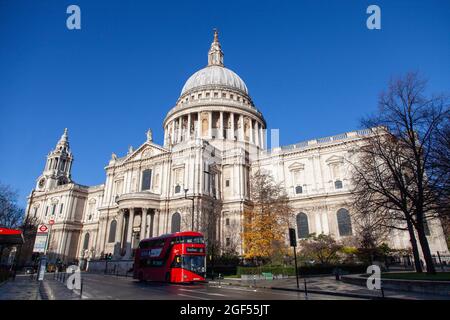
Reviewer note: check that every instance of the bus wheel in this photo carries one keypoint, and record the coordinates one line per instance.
(168, 277)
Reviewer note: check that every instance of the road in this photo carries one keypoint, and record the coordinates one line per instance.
(96, 286)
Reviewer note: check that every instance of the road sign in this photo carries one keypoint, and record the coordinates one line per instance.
(42, 228)
(51, 222)
(40, 242)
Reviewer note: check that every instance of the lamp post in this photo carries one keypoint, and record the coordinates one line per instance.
(190, 198)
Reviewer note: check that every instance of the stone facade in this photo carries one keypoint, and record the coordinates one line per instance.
(214, 138)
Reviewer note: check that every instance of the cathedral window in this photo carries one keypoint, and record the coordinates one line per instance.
(177, 188)
(112, 231)
(207, 94)
(302, 225)
(53, 209)
(231, 96)
(298, 189)
(86, 241)
(146, 179)
(61, 207)
(199, 96)
(227, 242)
(227, 221)
(35, 211)
(344, 222)
(227, 183)
(176, 223)
(216, 94)
(224, 95)
(46, 210)
(338, 184)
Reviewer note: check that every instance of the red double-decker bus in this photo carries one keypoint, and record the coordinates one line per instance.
(176, 257)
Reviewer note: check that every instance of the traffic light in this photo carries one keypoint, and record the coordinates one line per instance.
(292, 237)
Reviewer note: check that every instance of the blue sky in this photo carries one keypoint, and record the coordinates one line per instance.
(312, 68)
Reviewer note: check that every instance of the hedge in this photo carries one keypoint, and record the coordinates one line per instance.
(290, 271)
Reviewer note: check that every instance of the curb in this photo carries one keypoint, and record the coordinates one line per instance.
(324, 292)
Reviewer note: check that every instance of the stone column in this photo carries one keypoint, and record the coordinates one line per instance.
(221, 125)
(119, 231)
(257, 133)
(251, 130)
(232, 125)
(241, 131)
(130, 232)
(210, 133)
(188, 134)
(199, 125)
(261, 137)
(152, 221)
(172, 135)
(180, 125)
(143, 222)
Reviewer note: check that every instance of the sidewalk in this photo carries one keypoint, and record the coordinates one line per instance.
(20, 289)
(328, 285)
(56, 290)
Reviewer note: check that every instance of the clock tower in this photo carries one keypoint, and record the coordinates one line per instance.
(58, 166)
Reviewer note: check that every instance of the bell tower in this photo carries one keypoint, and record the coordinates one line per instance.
(58, 166)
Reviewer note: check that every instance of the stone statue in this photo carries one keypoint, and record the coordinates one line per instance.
(149, 135)
(113, 156)
(130, 149)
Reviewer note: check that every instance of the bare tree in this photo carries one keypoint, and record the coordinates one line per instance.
(394, 175)
(11, 214)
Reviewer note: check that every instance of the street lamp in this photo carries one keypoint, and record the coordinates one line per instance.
(190, 198)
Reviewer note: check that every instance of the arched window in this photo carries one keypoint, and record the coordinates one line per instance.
(112, 231)
(176, 222)
(177, 188)
(302, 225)
(344, 222)
(338, 184)
(298, 189)
(146, 179)
(86, 241)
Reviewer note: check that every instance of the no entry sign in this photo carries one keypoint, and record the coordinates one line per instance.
(42, 228)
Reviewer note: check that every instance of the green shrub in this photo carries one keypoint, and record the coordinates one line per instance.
(275, 270)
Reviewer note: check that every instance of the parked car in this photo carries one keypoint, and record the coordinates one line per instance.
(29, 270)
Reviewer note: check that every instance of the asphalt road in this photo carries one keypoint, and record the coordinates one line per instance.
(97, 286)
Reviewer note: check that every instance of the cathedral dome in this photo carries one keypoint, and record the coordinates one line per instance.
(215, 75)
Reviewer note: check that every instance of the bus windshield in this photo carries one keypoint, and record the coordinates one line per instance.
(195, 264)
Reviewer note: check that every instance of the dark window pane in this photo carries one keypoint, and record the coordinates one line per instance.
(146, 179)
(302, 225)
(338, 184)
(176, 222)
(86, 241)
(112, 231)
(344, 222)
(298, 189)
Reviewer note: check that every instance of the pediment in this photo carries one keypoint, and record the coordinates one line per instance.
(296, 166)
(334, 159)
(145, 151)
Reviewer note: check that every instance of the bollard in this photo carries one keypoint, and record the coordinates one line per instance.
(306, 288)
(81, 289)
(219, 279)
